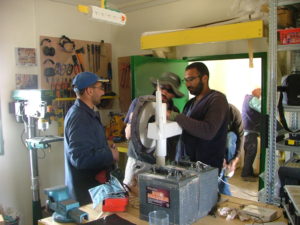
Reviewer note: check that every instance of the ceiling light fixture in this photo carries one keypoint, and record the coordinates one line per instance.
(103, 14)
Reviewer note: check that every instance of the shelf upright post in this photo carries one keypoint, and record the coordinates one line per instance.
(272, 88)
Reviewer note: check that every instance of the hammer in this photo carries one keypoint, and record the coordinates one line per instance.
(79, 56)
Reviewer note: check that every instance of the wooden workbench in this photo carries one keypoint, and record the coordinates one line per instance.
(132, 213)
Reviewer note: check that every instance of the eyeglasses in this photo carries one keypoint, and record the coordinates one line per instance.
(99, 87)
(167, 88)
(190, 79)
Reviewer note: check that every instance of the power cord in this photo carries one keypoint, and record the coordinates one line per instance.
(220, 179)
(22, 138)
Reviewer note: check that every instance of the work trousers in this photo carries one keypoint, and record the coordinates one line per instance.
(250, 148)
(224, 187)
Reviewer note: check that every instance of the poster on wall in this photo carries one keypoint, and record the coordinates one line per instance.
(26, 81)
(26, 57)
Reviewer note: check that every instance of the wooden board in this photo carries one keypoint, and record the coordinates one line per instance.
(124, 76)
(132, 213)
(62, 60)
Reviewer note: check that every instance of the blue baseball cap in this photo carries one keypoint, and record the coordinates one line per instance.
(86, 79)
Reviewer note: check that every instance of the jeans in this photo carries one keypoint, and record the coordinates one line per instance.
(230, 153)
(250, 148)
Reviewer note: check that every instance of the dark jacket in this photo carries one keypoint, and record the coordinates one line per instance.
(204, 125)
(235, 125)
(251, 118)
(86, 150)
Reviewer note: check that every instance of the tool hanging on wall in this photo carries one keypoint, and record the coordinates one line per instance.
(109, 71)
(76, 67)
(60, 69)
(125, 76)
(66, 44)
(47, 50)
(49, 71)
(79, 55)
(89, 57)
(92, 53)
(99, 57)
(69, 69)
(96, 58)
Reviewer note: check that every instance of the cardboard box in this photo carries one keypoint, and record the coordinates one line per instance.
(285, 18)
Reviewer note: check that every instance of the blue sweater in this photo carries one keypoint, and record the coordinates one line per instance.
(86, 150)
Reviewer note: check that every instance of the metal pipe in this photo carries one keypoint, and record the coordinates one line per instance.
(160, 119)
(33, 160)
(36, 203)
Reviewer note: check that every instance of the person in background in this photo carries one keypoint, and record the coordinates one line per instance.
(251, 113)
(204, 120)
(86, 150)
(234, 145)
(169, 84)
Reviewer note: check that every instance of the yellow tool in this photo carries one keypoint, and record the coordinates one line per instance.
(116, 128)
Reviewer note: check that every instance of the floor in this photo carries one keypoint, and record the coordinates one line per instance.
(243, 189)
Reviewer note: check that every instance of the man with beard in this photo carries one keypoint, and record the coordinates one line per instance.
(86, 149)
(169, 84)
(204, 120)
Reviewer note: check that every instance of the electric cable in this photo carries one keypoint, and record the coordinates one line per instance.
(199, 164)
(219, 178)
(22, 139)
(258, 219)
(43, 156)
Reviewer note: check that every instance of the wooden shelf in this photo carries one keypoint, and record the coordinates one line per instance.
(287, 2)
(290, 47)
(280, 146)
(229, 32)
(291, 108)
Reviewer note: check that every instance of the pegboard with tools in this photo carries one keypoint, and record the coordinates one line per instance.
(62, 58)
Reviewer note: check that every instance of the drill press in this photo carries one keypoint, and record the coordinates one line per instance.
(31, 109)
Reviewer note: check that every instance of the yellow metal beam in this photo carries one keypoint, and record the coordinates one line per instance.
(230, 32)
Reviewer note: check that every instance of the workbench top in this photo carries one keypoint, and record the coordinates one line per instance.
(132, 213)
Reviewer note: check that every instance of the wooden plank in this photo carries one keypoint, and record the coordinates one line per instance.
(132, 213)
(229, 32)
(124, 80)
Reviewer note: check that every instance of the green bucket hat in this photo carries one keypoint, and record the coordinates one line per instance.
(171, 79)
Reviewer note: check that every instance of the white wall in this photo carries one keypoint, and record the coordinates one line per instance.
(21, 23)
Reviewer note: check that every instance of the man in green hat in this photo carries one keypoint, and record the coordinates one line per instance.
(169, 84)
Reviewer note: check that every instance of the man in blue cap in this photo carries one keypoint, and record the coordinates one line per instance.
(86, 149)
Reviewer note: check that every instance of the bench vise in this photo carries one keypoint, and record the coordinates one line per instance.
(65, 209)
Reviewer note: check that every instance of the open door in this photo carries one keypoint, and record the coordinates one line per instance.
(145, 67)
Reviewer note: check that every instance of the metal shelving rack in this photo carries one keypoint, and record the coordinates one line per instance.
(270, 171)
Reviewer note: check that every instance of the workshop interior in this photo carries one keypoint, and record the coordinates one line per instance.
(245, 44)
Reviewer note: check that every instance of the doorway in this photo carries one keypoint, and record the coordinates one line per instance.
(231, 75)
